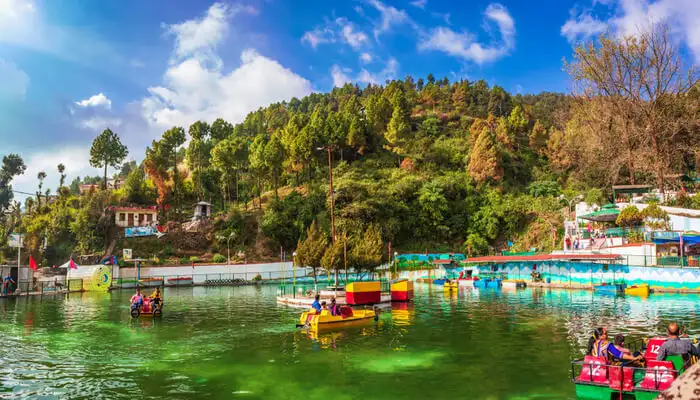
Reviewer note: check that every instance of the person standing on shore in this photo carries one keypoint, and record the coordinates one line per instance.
(6, 284)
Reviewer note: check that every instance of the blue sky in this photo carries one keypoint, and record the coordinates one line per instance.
(70, 68)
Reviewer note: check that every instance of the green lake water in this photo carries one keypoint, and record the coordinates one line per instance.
(231, 342)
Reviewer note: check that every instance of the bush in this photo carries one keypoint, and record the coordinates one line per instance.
(183, 260)
(219, 258)
(194, 259)
(257, 278)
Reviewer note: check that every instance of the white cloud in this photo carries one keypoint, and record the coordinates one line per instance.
(202, 35)
(464, 45)
(629, 17)
(354, 39)
(13, 81)
(318, 36)
(98, 100)
(389, 17)
(338, 30)
(366, 58)
(100, 123)
(419, 3)
(195, 88)
(582, 27)
(341, 75)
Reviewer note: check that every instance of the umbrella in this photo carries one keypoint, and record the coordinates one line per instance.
(607, 213)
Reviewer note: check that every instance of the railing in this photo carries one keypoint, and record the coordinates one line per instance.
(617, 382)
(58, 285)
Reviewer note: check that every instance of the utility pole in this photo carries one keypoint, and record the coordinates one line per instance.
(330, 179)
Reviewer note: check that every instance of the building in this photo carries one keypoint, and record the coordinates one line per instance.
(126, 217)
(202, 210)
(111, 184)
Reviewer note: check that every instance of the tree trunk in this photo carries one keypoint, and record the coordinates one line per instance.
(104, 181)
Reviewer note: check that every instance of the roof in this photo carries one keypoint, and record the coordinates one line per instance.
(140, 209)
(443, 261)
(203, 203)
(608, 213)
(542, 257)
(631, 188)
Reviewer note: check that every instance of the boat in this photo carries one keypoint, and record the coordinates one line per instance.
(451, 286)
(596, 379)
(402, 290)
(488, 281)
(324, 319)
(147, 309)
(440, 281)
(638, 290)
(610, 288)
(514, 284)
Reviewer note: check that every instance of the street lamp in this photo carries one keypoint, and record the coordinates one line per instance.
(294, 269)
(396, 263)
(330, 192)
(570, 202)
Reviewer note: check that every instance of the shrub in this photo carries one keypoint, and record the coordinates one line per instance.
(219, 258)
(257, 278)
(183, 260)
(194, 259)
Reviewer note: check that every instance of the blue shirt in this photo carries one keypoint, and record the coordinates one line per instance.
(316, 305)
(614, 351)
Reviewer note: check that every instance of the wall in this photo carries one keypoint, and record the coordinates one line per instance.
(267, 271)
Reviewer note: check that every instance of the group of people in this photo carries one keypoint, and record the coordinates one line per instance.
(7, 283)
(617, 353)
(320, 306)
(155, 297)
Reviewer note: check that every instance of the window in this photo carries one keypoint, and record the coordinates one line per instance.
(149, 217)
(122, 217)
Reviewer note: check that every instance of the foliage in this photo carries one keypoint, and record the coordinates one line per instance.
(544, 188)
(654, 217)
(366, 252)
(629, 217)
(476, 245)
(219, 258)
(194, 259)
(311, 250)
(594, 196)
(107, 151)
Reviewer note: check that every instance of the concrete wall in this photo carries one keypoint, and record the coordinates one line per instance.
(199, 272)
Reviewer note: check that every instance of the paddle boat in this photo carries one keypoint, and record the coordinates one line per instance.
(440, 281)
(638, 290)
(451, 286)
(596, 379)
(324, 320)
(148, 309)
(610, 288)
(488, 281)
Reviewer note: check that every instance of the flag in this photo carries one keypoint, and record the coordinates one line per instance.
(72, 264)
(32, 263)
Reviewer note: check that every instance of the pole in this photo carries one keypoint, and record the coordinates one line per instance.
(330, 179)
(345, 257)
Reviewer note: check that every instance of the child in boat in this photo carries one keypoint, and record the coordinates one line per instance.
(137, 299)
(334, 308)
(316, 305)
(324, 309)
(156, 297)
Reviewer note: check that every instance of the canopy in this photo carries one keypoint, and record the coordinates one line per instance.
(608, 213)
(689, 238)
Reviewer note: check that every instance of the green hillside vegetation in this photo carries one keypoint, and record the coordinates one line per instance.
(432, 164)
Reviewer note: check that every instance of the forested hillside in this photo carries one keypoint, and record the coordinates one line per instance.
(433, 164)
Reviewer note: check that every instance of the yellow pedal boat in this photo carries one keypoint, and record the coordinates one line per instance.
(451, 286)
(638, 290)
(314, 320)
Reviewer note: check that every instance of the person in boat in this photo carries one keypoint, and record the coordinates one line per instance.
(603, 348)
(676, 346)
(597, 332)
(324, 308)
(137, 299)
(334, 308)
(620, 354)
(156, 297)
(316, 305)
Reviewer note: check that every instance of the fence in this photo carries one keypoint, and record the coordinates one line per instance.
(293, 289)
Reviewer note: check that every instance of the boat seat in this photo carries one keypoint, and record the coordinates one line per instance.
(658, 376)
(594, 370)
(653, 348)
(346, 311)
(621, 378)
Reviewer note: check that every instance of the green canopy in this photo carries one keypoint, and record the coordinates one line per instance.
(607, 213)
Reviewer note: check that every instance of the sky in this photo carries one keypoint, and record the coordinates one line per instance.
(71, 68)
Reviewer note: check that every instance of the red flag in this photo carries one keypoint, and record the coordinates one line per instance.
(72, 264)
(32, 263)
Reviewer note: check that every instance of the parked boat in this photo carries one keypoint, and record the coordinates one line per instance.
(440, 281)
(324, 319)
(610, 288)
(638, 290)
(451, 286)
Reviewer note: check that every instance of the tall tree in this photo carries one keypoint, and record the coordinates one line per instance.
(367, 249)
(61, 169)
(485, 159)
(41, 175)
(107, 151)
(399, 126)
(311, 250)
(274, 157)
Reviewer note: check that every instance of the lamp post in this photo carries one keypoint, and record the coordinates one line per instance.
(294, 269)
(396, 263)
(330, 183)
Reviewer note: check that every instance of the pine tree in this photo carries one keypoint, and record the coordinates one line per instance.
(311, 250)
(539, 137)
(399, 126)
(485, 160)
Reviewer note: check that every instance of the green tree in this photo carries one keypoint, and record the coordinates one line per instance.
(311, 250)
(594, 196)
(629, 217)
(399, 126)
(539, 137)
(274, 157)
(485, 160)
(61, 169)
(41, 175)
(367, 249)
(332, 260)
(107, 151)
(654, 217)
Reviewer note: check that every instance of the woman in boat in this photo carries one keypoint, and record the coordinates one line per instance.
(334, 308)
(618, 354)
(597, 333)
